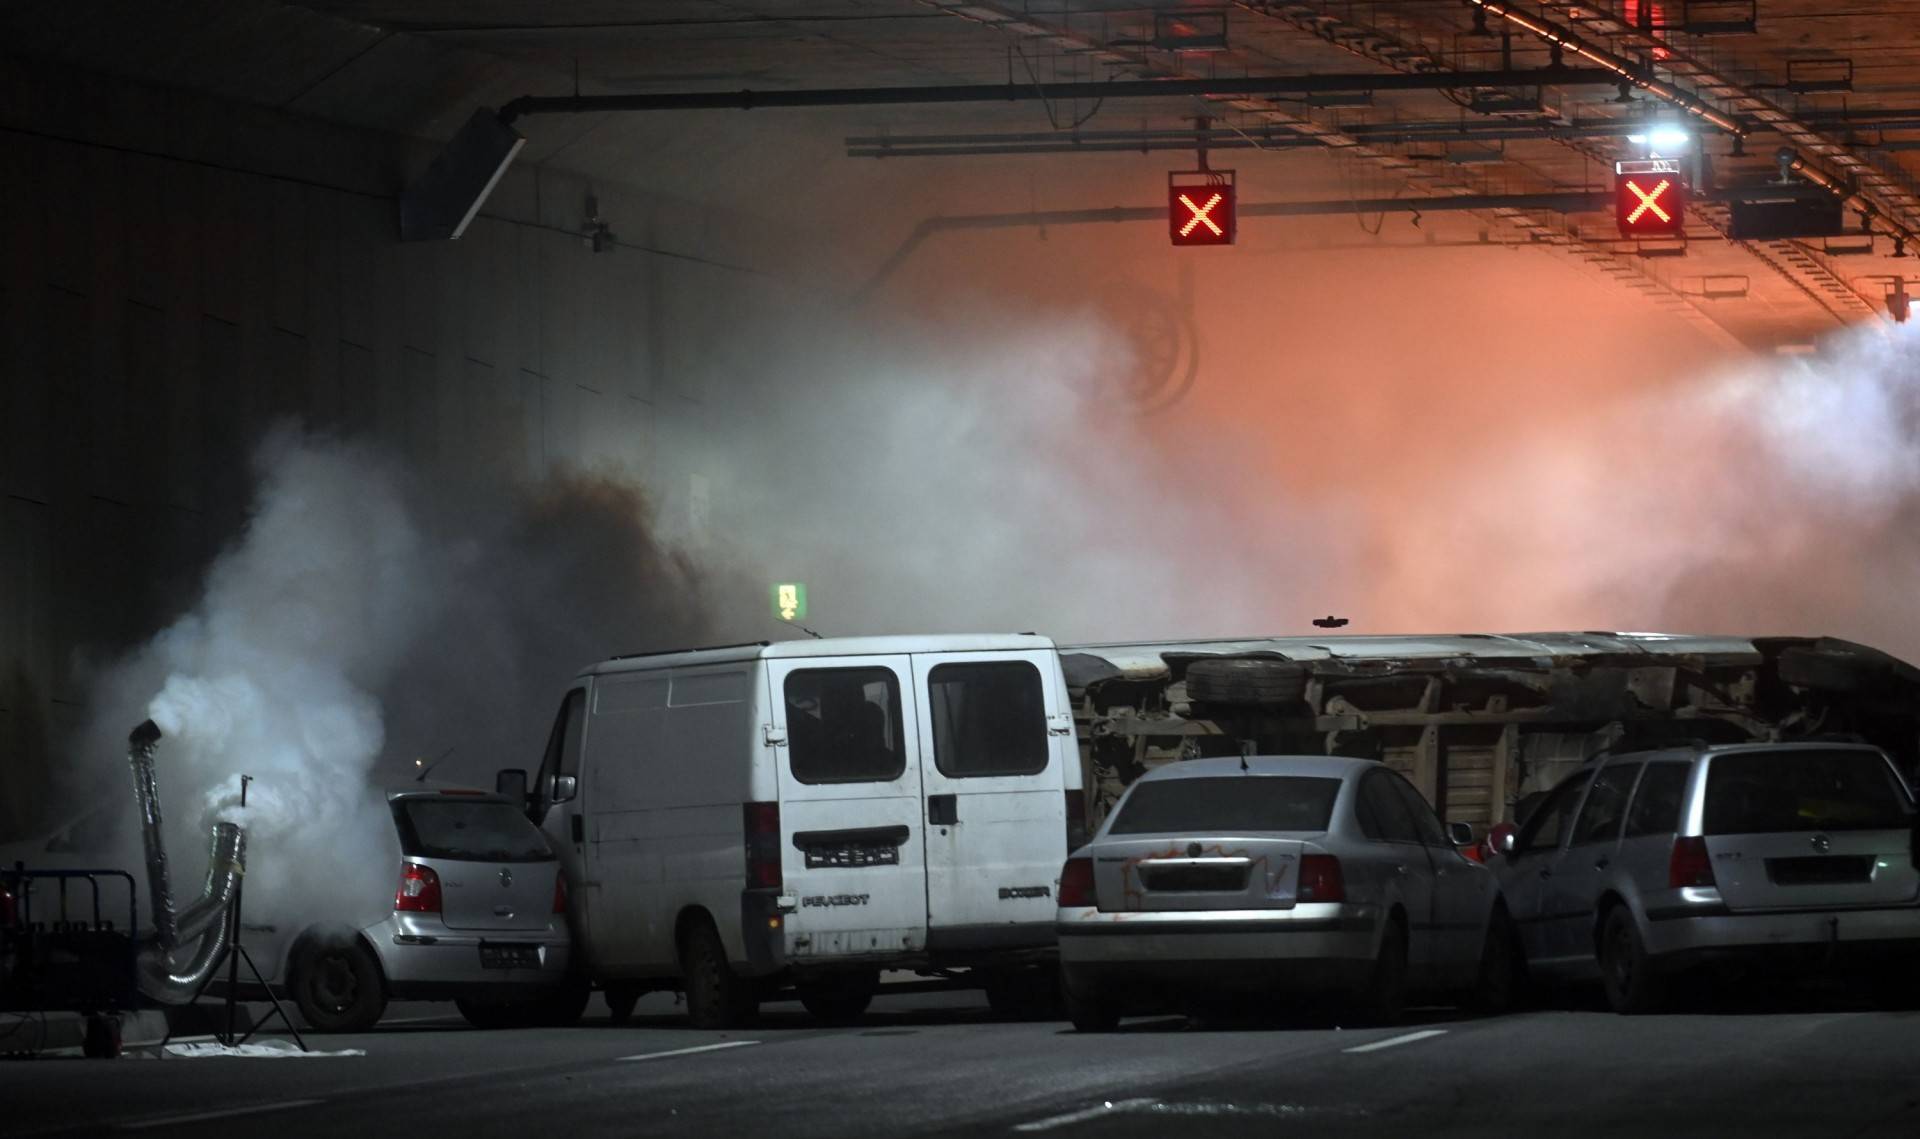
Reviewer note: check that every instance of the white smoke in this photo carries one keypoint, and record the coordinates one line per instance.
(273, 674)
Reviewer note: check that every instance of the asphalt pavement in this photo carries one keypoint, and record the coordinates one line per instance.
(939, 1065)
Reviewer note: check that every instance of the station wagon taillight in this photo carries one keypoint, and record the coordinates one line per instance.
(762, 824)
(419, 891)
(1320, 879)
(1689, 865)
(560, 893)
(1076, 882)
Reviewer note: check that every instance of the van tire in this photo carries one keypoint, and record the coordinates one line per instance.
(1259, 681)
(337, 985)
(839, 998)
(1633, 985)
(620, 1000)
(717, 997)
(1383, 997)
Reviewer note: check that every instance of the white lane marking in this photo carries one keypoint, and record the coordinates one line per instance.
(1397, 1041)
(691, 1051)
(1081, 1116)
(226, 1113)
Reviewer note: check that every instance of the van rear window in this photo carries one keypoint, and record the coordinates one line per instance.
(1770, 792)
(989, 718)
(468, 830)
(843, 725)
(1231, 804)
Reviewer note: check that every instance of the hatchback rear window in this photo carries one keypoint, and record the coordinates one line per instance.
(470, 830)
(1230, 804)
(1770, 792)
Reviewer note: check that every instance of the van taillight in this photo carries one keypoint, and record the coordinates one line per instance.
(560, 893)
(1320, 879)
(419, 891)
(1076, 820)
(762, 822)
(1076, 882)
(1689, 865)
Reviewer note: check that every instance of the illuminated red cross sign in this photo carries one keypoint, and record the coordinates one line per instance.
(1200, 207)
(1649, 203)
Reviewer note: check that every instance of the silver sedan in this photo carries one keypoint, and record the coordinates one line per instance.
(1309, 875)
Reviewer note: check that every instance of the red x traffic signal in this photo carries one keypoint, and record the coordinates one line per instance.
(1649, 198)
(1200, 207)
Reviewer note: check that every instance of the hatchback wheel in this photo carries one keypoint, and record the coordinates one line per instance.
(716, 997)
(1633, 985)
(338, 987)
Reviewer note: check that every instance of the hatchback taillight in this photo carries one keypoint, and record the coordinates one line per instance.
(1689, 865)
(762, 825)
(560, 893)
(1076, 882)
(1320, 879)
(419, 891)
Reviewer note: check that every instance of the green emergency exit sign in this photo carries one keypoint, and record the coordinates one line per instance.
(790, 601)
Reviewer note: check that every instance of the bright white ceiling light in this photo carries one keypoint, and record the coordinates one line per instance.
(1667, 140)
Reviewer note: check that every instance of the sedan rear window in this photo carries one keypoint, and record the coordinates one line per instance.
(470, 830)
(1770, 792)
(1235, 804)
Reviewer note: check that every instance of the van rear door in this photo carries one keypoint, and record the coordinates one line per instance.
(849, 778)
(996, 743)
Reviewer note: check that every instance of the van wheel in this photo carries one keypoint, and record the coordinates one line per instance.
(1260, 681)
(1384, 996)
(1633, 986)
(337, 986)
(1497, 986)
(839, 998)
(1088, 1008)
(716, 997)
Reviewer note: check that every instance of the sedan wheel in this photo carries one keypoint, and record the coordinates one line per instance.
(1633, 986)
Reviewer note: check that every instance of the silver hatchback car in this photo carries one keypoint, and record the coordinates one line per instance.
(479, 916)
(1305, 875)
(1639, 865)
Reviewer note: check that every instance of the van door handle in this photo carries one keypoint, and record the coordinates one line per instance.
(943, 810)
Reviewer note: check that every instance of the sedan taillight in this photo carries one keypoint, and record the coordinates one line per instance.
(1321, 879)
(1076, 882)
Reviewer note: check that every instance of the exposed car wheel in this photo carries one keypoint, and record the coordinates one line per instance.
(1633, 986)
(337, 986)
(839, 998)
(620, 1001)
(1246, 680)
(1502, 966)
(1384, 996)
(1088, 1008)
(716, 997)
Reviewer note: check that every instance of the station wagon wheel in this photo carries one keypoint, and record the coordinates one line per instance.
(1384, 996)
(1633, 986)
(716, 997)
(337, 986)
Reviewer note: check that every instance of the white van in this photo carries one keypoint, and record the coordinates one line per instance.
(736, 820)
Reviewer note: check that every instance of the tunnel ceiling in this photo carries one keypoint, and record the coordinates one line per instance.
(1841, 87)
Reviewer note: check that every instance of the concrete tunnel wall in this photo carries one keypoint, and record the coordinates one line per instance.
(177, 274)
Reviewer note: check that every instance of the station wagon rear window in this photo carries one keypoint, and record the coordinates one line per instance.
(1235, 804)
(1770, 792)
(468, 830)
(843, 725)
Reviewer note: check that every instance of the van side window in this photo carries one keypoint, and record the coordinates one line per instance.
(1548, 823)
(1606, 805)
(843, 725)
(1656, 804)
(989, 718)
